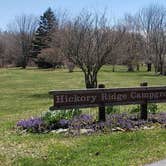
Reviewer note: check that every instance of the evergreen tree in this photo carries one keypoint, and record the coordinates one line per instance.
(42, 38)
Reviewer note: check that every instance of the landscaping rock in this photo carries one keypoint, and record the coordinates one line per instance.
(148, 128)
(59, 131)
(120, 129)
(86, 131)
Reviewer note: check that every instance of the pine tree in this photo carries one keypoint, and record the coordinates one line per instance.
(42, 38)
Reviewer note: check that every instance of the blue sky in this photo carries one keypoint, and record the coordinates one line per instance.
(11, 8)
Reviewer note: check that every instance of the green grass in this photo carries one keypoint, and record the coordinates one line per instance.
(24, 93)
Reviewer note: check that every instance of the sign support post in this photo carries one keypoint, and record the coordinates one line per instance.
(102, 107)
(144, 112)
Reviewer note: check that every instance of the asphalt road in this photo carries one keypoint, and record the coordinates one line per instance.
(159, 163)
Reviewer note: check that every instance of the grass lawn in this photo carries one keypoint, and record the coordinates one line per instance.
(24, 93)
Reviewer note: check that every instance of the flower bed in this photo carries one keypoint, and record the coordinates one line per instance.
(85, 124)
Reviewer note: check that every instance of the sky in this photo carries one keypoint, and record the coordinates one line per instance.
(115, 8)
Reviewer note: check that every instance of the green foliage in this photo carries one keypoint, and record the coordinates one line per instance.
(51, 117)
(112, 109)
(152, 108)
(135, 109)
(43, 37)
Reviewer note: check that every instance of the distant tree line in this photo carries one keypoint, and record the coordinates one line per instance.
(88, 41)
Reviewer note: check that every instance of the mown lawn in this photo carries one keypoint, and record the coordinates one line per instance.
(24, 93)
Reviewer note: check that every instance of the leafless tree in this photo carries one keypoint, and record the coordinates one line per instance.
(89, 43)
(152, 21)
(132, 45)
(23, 29)
(158, 39)
(2, 50)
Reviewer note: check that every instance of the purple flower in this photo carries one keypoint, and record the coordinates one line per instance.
(30, 123)
(63, 123)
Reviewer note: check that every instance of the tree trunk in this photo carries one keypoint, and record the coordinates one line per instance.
(137, 67)
(130, 68)
(156, 68)
(165, 70)
(161, 68)
(113, 68)
(149, 67)
(91, 80)
(24, 63)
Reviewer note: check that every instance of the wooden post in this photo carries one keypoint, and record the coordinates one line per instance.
(144, 112)
(102, 108)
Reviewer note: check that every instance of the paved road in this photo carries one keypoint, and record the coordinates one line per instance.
(159, 163)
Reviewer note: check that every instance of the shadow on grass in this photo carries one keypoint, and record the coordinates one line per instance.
(41, 96)
(142, 73)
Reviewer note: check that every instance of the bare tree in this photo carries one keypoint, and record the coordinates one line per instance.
(89, 43)
(145, 19)
(23, 28)
(132, 46)
(152, 21)
(158, 39)
(2, 50)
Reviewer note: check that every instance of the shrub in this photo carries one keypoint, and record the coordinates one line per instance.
(49, 58)
(70, 66)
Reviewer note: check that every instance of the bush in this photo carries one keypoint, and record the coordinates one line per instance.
(49, 58)
(70, 66)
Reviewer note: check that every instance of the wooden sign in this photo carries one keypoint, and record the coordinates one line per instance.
(105, 97)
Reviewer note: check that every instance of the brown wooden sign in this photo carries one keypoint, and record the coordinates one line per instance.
(105, 97)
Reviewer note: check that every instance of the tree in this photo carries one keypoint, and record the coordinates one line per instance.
(10, 51)
(145, 20)
(23, 29)
(2, 50)
(152, 21)
(132, 51)
(158, 39)
(89, 43)
(132, 45)
(43, 33)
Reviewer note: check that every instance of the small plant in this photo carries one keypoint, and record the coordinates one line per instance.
(112, 109)
(63, 123)
(152, 108)
(33, 124)
(83, 121)
(135, 109)
(52, 117)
